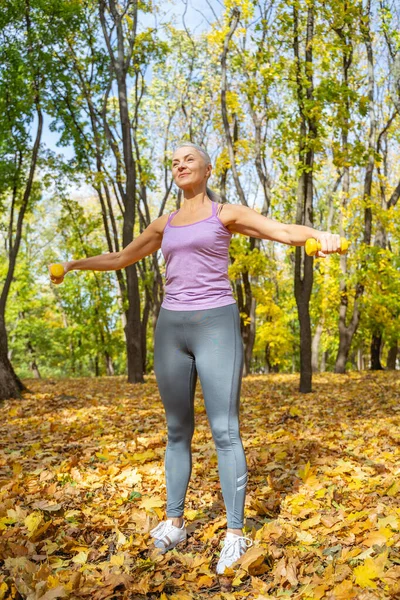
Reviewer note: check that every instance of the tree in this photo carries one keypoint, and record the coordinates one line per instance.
(21, 84)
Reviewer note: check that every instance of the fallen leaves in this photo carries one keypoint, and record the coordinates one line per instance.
(83, 482)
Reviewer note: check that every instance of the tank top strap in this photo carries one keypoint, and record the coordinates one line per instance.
(171, 214)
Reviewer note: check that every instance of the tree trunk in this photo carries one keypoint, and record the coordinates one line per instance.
(121, 64)
(246, 302)
(33, 365)
(376, 342)
(109, 364)
(346, 332)
(303, 275)
(360, 359)
(392, 356)
(10, 384)
(324, 360)
(249, 332)
(315, 348)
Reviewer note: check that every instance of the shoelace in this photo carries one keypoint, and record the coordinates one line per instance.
(162, 528)
(159, 529)
(229, 547)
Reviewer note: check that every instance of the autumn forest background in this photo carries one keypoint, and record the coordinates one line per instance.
(298, 104)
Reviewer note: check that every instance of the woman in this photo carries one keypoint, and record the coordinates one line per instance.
(198, 333)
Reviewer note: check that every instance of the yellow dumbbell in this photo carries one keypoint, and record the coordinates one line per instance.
(57, 270)
(312, 246)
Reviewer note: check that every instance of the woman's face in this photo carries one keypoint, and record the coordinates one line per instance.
(189, 168)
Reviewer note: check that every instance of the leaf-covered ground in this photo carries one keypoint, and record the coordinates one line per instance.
(82, 483)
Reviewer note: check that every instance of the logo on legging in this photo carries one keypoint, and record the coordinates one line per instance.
(239, 479)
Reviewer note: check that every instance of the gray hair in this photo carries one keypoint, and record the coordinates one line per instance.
(212, 195)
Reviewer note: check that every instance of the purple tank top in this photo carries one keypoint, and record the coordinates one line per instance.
(196, 258)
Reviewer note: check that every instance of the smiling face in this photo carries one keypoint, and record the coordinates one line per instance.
(190, 169)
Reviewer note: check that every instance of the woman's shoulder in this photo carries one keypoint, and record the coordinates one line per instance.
(226, 213)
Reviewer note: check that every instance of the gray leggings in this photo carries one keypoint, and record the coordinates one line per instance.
(205, 342)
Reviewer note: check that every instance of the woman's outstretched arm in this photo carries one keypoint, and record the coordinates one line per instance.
(245, 220)
(146, 243)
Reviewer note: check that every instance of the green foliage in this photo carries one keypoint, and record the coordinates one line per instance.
(67, 330)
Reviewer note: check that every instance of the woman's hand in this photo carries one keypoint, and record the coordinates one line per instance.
(330, 242)
(58, 280)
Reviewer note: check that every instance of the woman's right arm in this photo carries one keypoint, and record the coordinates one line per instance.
(148, 242)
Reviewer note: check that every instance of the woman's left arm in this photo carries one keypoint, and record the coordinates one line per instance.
(245, 220)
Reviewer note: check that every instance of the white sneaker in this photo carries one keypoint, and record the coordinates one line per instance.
(233, 547)
(167, 535)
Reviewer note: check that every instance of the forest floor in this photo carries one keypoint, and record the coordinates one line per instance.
(82, 483)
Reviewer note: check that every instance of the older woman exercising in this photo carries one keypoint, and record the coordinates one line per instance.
(198, 334)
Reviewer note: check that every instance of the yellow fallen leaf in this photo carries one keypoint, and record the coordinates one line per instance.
(209, 530)
(305, 471)
(393, 489)
(57, 562)
(305, 537)
(80, 548)
(143, 456)
(17, 468)
(378, 537)
(4, 521)
(251, 556)
(344, 590)
(149, 502)
(319, 591)
(310, 522)
(130, 476)
(191, 514)
(238, 579)
(72, 514)
(121, 538)
(80, 558)
(33, 521)
(117, 559)
(3, 590)
(280, 455)
(390, 520)
(103, 455)
(205, 581)
(52, 581)
(371, 569)
(53, 594)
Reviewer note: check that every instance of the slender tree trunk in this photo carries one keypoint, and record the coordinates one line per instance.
(346, 332)
(10, 384)
(320, 326)
(376, 342)
(303, 276)
(392, 356)
(121, 62)
(324, 359)
(33, 364)
(267, 366)
(360, 359)
(245, 299)
(109, 364)
(315, 347)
